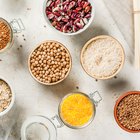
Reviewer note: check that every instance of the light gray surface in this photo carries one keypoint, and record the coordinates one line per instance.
(33, 98)
(122, 13)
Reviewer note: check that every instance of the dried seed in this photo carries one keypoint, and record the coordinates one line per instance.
(63, 15)
(5, 95)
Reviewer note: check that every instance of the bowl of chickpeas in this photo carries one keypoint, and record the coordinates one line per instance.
(50, 62)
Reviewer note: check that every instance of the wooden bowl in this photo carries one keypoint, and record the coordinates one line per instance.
(100, 37)
(54, 83)
(115, 111)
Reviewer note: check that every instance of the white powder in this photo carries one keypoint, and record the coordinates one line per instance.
(103, 58)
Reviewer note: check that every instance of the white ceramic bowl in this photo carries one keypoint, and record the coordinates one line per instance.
(75, 33)
(11, 104)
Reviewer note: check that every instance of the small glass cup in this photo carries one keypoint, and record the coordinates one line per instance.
(56, 121)
(15, 26)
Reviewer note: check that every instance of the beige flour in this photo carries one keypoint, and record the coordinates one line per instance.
(103, 57)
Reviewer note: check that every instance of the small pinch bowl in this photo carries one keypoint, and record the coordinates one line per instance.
(115, 110)
(54, 83)
(11, 103)
(74, 33)
(100, 37)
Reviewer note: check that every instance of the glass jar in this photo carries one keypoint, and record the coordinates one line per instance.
(57, 121)
(15, 26)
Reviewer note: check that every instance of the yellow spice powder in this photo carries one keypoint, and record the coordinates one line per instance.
(76, 110)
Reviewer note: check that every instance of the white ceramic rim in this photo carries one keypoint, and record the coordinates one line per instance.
(12, 101)
(75, 33)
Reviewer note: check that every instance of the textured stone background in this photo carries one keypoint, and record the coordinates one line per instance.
(121, 11)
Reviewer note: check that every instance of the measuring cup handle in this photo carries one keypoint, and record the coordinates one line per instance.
(96, 97)
(57, 118)
(17, 25)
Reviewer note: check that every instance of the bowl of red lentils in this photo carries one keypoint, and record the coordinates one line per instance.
(69, 17)
(50, 62)
(127, 111)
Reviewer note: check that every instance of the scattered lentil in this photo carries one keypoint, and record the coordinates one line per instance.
(128, 112)
(50, 62)
(5, 95)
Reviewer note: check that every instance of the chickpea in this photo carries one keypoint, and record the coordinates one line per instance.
(50, 62)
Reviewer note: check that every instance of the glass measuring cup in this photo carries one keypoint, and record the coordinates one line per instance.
(57, 121)
(15, 26)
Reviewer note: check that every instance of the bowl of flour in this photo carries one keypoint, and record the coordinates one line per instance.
(102, 57)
